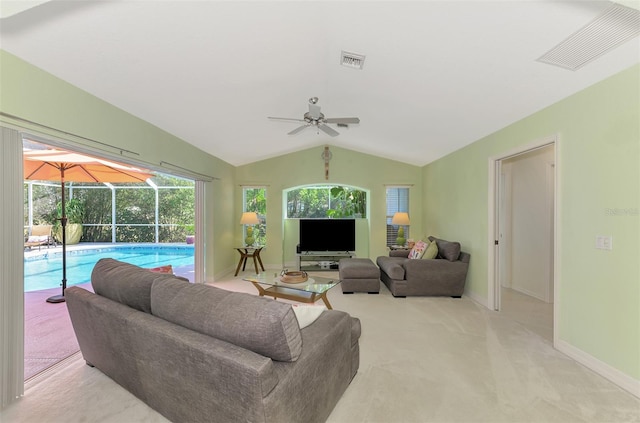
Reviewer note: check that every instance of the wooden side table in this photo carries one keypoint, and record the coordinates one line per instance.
(398, 247)
(245, 253)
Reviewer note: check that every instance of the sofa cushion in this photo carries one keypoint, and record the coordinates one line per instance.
(432, 251)
(446, 249)
(307, 314)
(38, 238)
(125, 283)
(418, 250)
(267, 327)
(392, 266)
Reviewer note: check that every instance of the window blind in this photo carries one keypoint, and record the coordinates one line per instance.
(397, 201)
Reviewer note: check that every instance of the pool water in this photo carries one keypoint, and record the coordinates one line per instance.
(45, 271)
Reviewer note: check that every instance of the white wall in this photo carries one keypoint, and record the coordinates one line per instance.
(529, 202)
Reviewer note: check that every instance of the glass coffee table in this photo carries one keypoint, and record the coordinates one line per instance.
(309, 291)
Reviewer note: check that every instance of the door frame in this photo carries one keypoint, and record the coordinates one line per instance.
(493, 262)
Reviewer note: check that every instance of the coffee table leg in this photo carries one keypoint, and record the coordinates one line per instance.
(326, 300)
(259, 288)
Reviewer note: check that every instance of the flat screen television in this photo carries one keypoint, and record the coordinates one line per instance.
(327, 235)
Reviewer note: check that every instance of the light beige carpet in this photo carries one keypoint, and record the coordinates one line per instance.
(422, 360)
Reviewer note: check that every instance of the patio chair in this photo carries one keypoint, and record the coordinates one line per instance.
(40, 235)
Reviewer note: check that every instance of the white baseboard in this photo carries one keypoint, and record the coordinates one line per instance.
(476, 298)
(621, 379)
(529, 293)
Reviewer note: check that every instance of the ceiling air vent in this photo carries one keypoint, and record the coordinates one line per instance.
(352, 60)
(613, 27)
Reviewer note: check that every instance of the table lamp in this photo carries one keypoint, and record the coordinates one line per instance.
(400, 219)
(249, 218)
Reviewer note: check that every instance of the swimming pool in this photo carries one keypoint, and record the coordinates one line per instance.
(45, 271)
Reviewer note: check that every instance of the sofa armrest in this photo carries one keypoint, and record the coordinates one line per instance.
(329, 359)
(392, 266)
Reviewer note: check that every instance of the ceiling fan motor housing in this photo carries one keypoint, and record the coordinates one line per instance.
(312, 120)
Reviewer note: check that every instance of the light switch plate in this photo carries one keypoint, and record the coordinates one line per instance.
(604, 242)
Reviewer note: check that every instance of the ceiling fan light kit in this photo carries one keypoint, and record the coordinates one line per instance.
(314, 117)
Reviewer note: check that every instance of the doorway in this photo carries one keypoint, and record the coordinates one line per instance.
(136, 222)
(523, 235)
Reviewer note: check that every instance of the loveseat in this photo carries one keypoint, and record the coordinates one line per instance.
(444, 275)
(197, 353)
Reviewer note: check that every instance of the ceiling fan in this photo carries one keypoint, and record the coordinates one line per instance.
(315, 118)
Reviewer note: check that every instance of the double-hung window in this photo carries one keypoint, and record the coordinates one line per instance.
(397, 201)
(254, 199)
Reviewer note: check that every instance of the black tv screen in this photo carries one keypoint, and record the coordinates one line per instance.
(327, 235)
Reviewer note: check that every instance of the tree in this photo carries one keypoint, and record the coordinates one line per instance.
(135, 209)
(256, 201)
(326, 201)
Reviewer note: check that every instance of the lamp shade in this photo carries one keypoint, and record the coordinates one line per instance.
(400, 218)
(249, 218)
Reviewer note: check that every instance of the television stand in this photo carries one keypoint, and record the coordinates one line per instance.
(316, 261)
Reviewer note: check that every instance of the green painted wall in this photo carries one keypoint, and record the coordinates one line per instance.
(32, 94)
(598, 194)
(346, 167)
(598, 176)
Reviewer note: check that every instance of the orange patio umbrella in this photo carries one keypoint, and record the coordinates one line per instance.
(60, 165)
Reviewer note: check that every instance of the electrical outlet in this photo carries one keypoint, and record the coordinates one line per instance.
(604, 242)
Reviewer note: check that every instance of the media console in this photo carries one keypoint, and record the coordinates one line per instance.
(311, 261)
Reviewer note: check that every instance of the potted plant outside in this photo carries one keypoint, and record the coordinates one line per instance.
(74, 210)
(190, 231)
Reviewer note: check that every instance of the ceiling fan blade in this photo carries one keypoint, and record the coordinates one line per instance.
(345, 120)
(298, 129)
(286, 119)
(328, 130)
(314, 111)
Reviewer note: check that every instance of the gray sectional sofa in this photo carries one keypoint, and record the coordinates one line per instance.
(443, 276)
(196, 353)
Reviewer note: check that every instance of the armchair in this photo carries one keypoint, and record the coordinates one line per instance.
(443, 276)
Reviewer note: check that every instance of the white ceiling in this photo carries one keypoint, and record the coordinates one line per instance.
(438, 75)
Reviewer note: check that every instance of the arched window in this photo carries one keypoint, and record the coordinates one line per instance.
(326, 201)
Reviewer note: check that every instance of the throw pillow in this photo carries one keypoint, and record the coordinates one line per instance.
(446, 249)
(307, 314)
(431, 252)
(163, 269)
(418, 250)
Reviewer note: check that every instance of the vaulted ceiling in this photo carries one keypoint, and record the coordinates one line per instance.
(437, 75)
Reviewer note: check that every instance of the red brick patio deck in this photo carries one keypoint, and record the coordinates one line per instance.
(48, 334)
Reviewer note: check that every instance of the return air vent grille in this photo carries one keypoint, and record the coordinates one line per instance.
(613, 27)
(352, 60)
